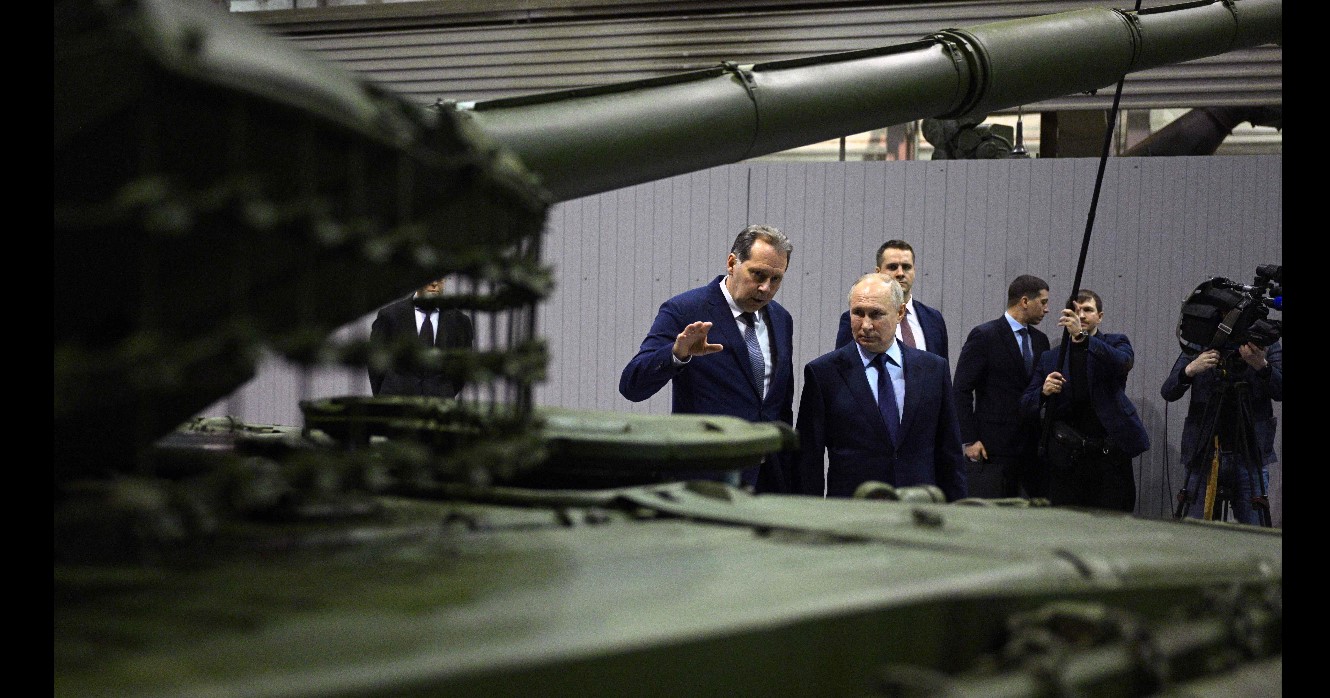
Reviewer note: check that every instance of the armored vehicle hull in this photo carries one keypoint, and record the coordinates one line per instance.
(685, 589)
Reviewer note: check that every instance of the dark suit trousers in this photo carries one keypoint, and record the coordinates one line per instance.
(1007, 476)
(1100, 480)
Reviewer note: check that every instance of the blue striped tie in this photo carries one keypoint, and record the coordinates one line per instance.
(886, 398)
(754, 350)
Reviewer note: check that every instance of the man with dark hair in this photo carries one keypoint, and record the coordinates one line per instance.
(1250, 379)
(878, 410)
(1093, 429)
(749, 373)
(996, 361)
(419, 317)
(922, 327)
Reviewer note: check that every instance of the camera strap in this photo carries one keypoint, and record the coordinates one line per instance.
(1226, 327)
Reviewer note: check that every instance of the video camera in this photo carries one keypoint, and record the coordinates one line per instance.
(1224, 314)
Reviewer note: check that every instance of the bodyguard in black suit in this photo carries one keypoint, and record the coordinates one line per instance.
(447, 329)
(922, 327)
(1000, 440)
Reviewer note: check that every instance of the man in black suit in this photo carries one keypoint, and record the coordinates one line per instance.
(1001, 441)
(922, 327)
(418, 315)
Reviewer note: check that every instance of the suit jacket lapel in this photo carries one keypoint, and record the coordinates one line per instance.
(776, 327)
(851, 368)
(1013, 344)
(912, 396)
(926, 323)
(441, 330)
(406, 313)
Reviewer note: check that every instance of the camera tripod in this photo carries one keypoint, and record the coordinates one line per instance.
(1238, 439)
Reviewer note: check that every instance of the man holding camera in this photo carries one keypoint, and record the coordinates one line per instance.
(1235, 391)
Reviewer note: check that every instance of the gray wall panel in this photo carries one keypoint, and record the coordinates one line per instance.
(1152, 333)
(1163, 226)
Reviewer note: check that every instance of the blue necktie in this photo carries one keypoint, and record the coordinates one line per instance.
(754, 350)
(1025, 350)
(886, 398)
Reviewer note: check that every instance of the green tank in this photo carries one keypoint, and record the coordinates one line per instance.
(220, 195)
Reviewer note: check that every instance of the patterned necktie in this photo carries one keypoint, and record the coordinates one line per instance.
(754, 350)
(427, 331)
(1025, 350)
(886, 398)
(907, 334)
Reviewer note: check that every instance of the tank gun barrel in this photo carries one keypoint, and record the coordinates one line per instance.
(588, 141)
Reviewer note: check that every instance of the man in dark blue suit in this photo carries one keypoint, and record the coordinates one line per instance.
(922, 327)
(877, 410)
(749, 371)
(1001, 441)
(1086, 400)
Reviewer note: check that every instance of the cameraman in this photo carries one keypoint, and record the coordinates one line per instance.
(1254, 378)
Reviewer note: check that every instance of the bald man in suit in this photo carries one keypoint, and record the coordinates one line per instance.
(877, 410)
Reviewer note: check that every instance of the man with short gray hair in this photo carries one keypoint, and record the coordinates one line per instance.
(749, 371)
(876, 409)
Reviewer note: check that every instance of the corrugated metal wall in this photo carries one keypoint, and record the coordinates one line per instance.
(430, 51)
(1163, 226)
